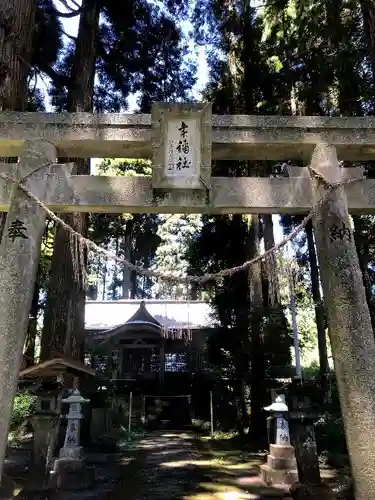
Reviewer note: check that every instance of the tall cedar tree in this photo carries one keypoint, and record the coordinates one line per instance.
(25, 27)
(127, 52)
(17, 22)
(63, 328)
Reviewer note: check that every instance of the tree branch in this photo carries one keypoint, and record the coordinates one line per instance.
(67, 6)
(58, 80)
(69, 36)
(69, 14)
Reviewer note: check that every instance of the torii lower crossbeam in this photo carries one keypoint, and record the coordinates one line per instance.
(228, 195)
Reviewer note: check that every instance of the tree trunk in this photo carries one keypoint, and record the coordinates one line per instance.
(318, 303)
(133, 291)
(17, 21)
(241, 351)
(193, 291)
(363, 257)
(104, 281)
(257, 374)
(368, 13)
(271, 265)
(63, 328)
(115, 269)
(127, 250)
(146, 263)
(242, 417)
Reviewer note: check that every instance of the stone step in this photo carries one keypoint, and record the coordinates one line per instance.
(274, 477)
(281, 451)
(277, 463)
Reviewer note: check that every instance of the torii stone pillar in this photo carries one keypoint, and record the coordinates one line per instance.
(349, 323)
(19, 254)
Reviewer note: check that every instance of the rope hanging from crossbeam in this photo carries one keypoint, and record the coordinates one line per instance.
(80, 244)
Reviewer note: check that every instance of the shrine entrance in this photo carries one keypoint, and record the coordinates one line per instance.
(167, 412)
(139, 347)
(183, 140)
(160, 362)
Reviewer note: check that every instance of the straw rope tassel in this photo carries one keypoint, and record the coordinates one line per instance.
(89, 245)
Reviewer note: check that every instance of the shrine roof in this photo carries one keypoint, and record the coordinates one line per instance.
(142, 316)
(56, 366)
(105, 315)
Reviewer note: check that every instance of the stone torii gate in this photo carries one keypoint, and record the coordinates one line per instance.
(180, 139)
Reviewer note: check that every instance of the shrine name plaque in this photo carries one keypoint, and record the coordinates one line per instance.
(181, 138)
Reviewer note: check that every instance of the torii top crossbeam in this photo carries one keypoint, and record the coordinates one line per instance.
(232, 137)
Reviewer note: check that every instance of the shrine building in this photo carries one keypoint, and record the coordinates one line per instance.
(152, 343)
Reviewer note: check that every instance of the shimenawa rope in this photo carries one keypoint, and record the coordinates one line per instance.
(170, 277)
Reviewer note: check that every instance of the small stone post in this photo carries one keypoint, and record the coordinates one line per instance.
(19, 253)
(70, 471)
(281, 464)
(302, 429)
(43, 427)
(349, 323)
(72, 448)
(45, 423)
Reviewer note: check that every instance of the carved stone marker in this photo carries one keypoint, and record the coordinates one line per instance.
(72, 448)
(281, 466)
(70, 470)
(181, 142)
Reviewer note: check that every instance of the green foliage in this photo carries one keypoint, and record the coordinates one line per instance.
(47, 36)
(224, 242)
(329, 429)
(311, 371)
(176, 233)
(306, 322)
(126, 439)
(139, 49)
(330, 435)
(131, 236)
(277, 339)
(47, 45)
(23, 408)
(124, 167)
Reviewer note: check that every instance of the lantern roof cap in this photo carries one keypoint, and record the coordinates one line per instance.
(75, 397)
(278, 405)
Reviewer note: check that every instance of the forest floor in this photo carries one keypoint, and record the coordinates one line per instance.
(167, 465)
(180, 466)
(186, 466)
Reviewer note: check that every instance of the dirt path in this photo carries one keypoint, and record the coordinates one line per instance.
(173, 466)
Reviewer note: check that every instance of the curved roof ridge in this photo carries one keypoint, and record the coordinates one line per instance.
(143, 316)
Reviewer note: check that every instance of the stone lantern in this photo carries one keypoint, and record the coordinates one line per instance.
(72, 448)
(281, 466)
(45, 421)
(279, 434)
(46, 380)
(47, 394)
(70, 471)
